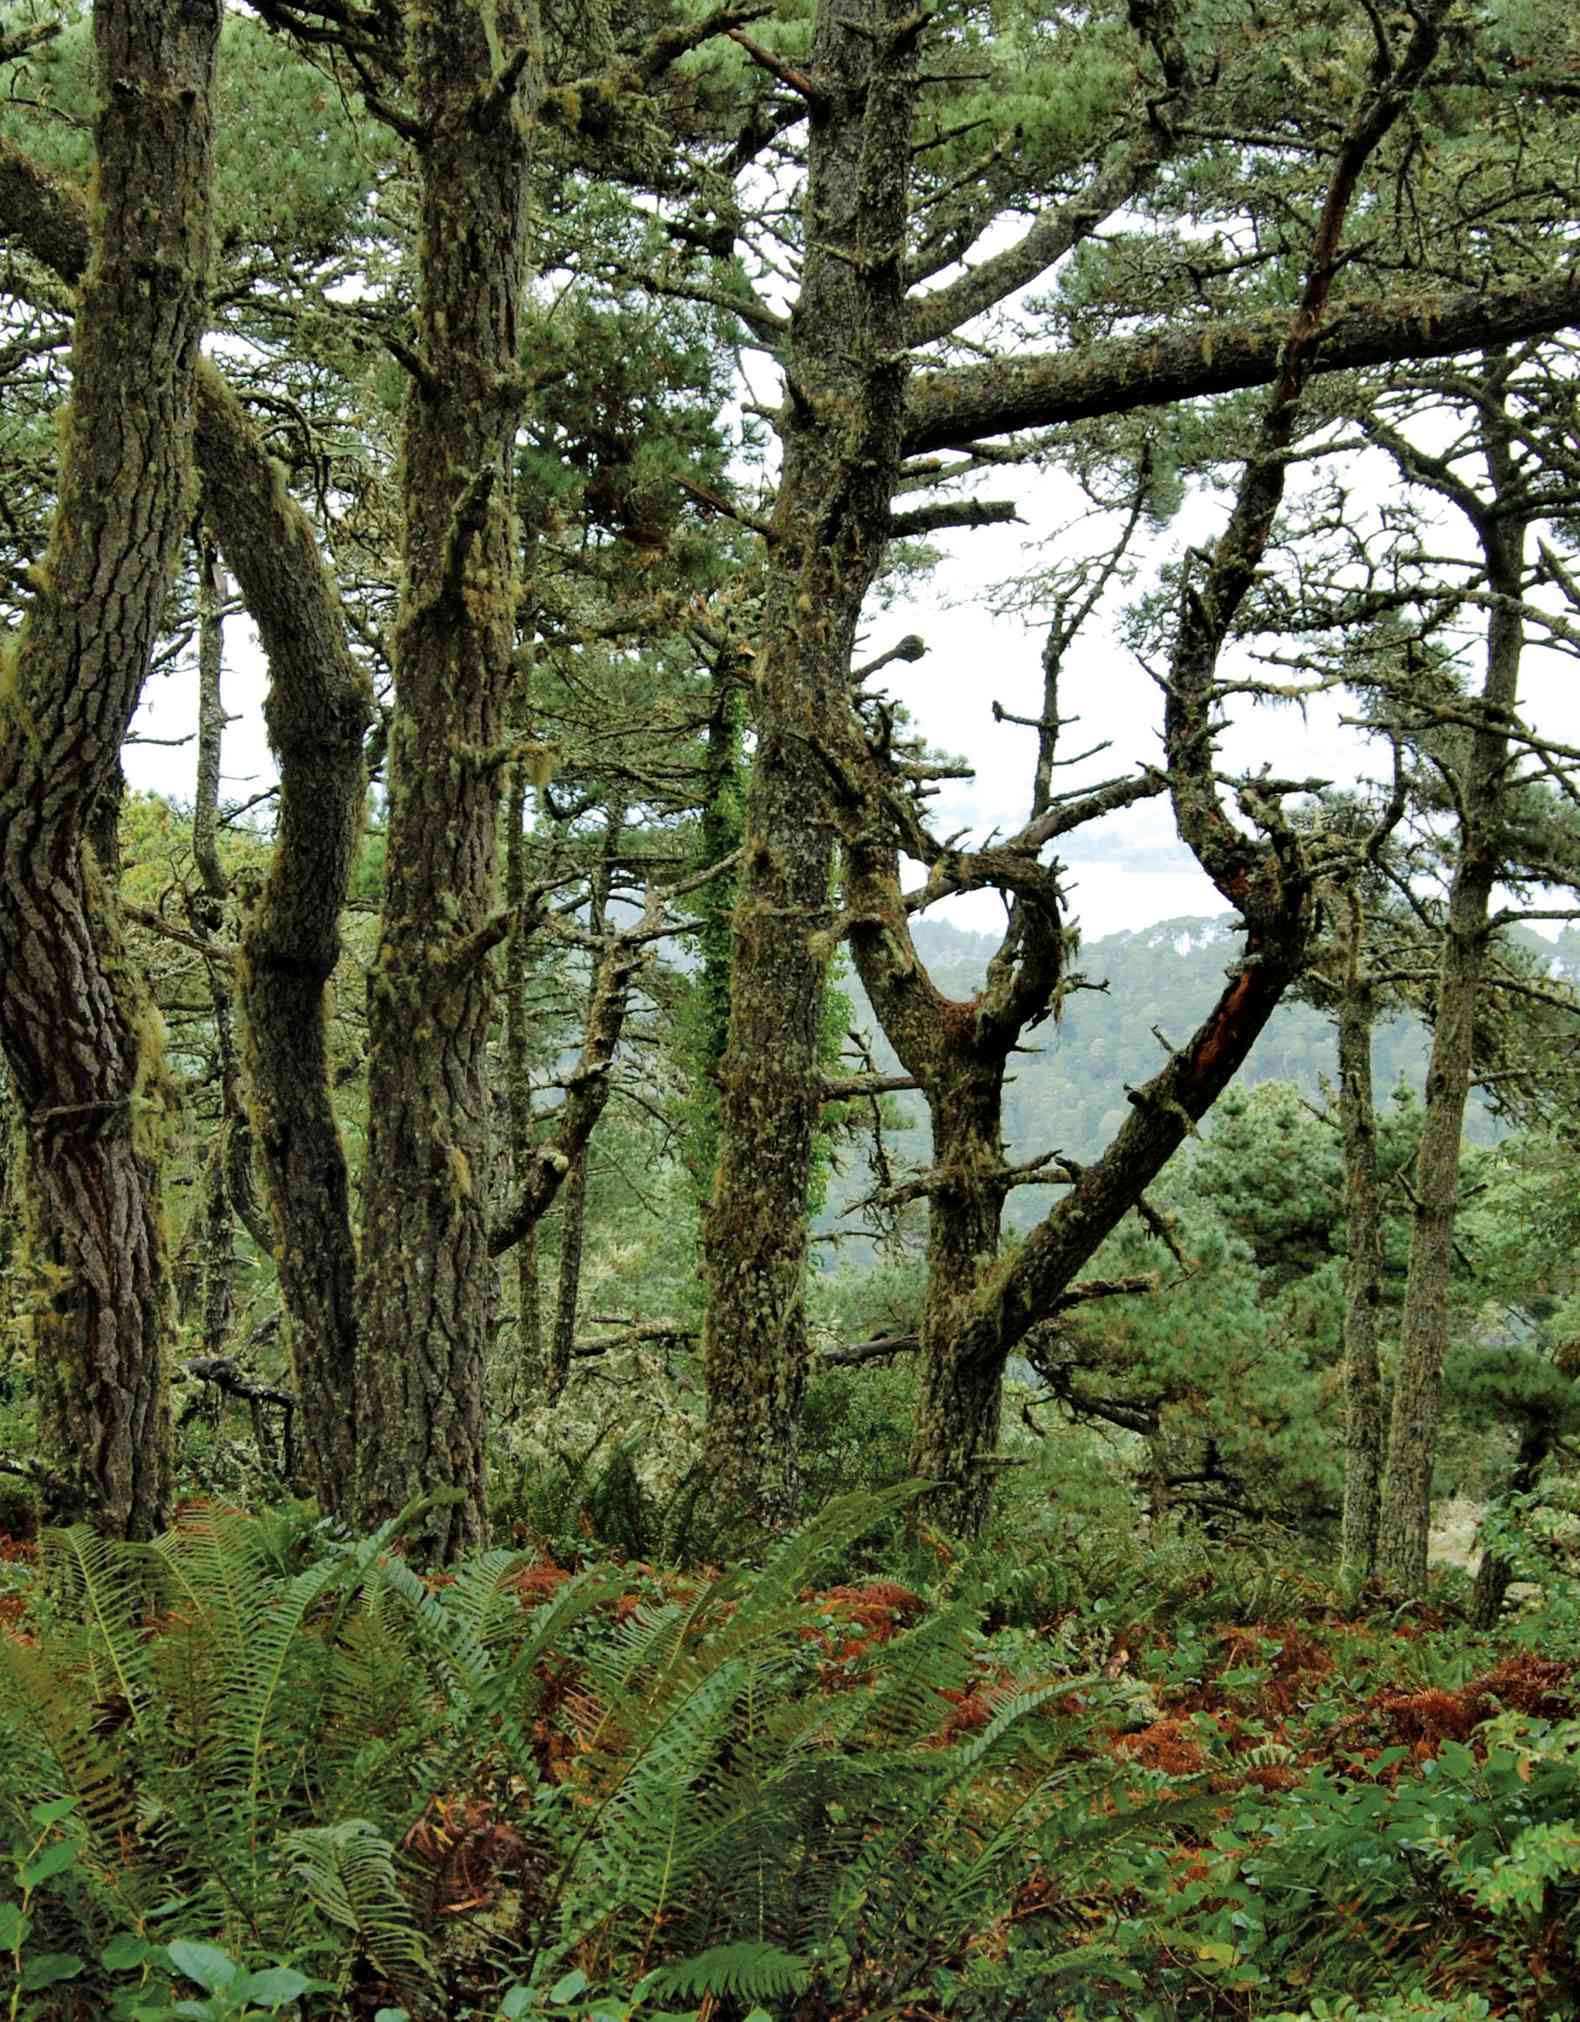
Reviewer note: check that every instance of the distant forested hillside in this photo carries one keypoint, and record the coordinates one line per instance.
(1069, 1094)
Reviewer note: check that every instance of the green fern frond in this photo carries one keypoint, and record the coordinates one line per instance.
(93, 1577)
(740, 1972)
(60, 1718)
(347, 1872)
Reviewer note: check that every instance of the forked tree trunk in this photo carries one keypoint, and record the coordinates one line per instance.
(81, 1037)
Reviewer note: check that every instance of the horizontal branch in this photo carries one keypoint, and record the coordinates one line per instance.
(950, 408)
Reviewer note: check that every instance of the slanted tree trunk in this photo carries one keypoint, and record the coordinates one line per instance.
(842, 443)
(80, 1035)
(1362, 1273)
(1424, 1327)
(428, 1292)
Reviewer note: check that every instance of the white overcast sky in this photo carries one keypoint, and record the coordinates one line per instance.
(1125, 873)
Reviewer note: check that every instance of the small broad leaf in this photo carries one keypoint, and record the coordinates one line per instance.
(50, 1862)
(574, 1983)
(49, 1968)
(124, 1952)
(14, 1927)
(46, 1815)
(212, 1969)
(274, 1986)
(515, 2004)
(392, 2015)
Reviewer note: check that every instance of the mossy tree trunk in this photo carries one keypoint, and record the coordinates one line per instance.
(206, 906)
(528, 1375)
(573, 1190)
(80, 1035)
(957, 1053)
(428, 1292)
(841, 434)
(1363, 1271)
(319, 706)
(1500, 522)
(318, 709)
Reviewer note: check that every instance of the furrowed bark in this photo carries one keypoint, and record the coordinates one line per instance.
(428, 1290)
(80, 1035)
(320, 704)
(842, 441)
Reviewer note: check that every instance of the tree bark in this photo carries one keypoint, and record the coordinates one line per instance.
(428, 1286)
(1424, 1327)
(573, 1193)
(530, 1372)
(1495, 1575)
(80, 1035)
(206, 911)
(1362, 1275)
(842, 446)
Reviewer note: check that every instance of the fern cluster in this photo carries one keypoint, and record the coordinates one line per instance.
(429, 1792)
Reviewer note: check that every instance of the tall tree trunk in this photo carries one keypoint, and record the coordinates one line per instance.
(707, 1029)
(206, 911)
(1423, 1332)
(80, 1036)
(573, 1193)
(319, 706)
(1362, 1274)
(530, 1372)
(842, 445)
(428, 1282)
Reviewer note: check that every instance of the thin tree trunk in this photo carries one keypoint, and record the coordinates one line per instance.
(573, 1194)
(842, 443)
(530, 1373)
(80, 1036)
(1424, 1328)
(720, 834)
(206, 911)
(1494, 1576)
(428, 1282)
(1362, 1277)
